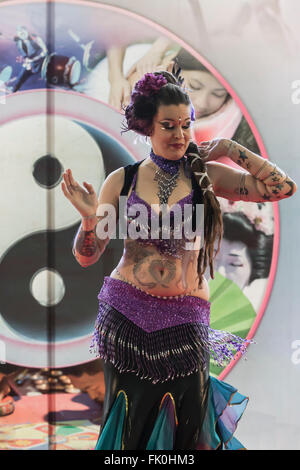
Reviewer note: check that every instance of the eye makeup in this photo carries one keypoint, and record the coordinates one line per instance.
(167, 125)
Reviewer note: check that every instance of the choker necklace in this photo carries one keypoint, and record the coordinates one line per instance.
(169, 166)
(166, 175)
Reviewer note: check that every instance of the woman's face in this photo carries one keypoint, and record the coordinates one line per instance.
(171, 131)
(207, 94)
(233, 262)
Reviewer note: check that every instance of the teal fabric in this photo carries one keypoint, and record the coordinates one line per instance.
(163, 434)
(224, 410)
(111, 435)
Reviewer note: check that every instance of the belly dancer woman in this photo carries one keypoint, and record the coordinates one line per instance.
(152, 330)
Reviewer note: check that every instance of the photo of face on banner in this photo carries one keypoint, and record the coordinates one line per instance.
(247, 247)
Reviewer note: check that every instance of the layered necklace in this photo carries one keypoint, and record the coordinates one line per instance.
(166, 175)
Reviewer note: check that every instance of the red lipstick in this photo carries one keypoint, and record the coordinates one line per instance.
(177, 146)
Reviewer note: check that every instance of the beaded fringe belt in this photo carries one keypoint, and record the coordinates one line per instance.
(158, 339)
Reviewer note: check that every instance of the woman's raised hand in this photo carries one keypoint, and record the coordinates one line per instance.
(213, 149)
(84, 200)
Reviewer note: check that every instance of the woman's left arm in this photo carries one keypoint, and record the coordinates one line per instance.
(262, 181)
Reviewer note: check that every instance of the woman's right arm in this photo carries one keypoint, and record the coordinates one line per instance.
(87, 247)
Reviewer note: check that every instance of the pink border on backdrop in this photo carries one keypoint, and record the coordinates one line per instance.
(245, 112)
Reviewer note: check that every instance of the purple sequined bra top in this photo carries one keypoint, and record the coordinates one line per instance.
(158, 339)
(172, 246)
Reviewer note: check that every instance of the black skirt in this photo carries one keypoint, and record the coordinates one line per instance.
(188, 400)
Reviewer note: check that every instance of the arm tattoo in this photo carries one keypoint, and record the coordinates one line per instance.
(276, 189)
(275, 175)
(243, 159)
(274, 179)
(241, 192)
(246, 159)
(86, 243)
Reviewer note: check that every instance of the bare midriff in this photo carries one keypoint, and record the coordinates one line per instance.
(144, 267)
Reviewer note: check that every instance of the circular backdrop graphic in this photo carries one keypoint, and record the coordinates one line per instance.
(89, 70)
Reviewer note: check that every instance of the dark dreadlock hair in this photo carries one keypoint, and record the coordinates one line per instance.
(139, 116)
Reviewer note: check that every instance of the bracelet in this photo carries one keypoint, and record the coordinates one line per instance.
(229, 151)
(275, 168)
(85, 217)
(89, 216)
(242, 184)
(260, 169)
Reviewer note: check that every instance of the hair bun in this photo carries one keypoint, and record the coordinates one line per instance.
(144, 107)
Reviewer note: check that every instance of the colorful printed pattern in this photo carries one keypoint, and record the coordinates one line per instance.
(68, 435)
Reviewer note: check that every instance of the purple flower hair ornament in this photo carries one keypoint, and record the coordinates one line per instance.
(149, 84)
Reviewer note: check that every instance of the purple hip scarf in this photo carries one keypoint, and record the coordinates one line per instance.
(158, 339)
(151, 313)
